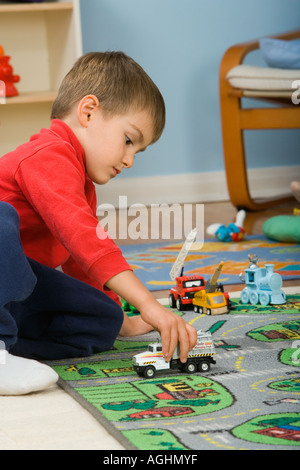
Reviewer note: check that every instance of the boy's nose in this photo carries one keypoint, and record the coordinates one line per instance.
(128, 160)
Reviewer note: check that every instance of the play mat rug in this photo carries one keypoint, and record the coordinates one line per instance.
(250, 399)
(152, 262)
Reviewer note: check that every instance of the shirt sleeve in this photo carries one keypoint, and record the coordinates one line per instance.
(53, 182)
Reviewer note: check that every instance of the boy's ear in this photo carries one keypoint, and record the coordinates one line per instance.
(86, 109)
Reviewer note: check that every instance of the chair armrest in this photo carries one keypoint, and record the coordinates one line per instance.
(236, 54)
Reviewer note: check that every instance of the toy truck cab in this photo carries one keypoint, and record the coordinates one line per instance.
(147, 362)
(214, 303)
(185, 289)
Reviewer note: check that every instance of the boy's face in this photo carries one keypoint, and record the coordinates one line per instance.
(110, 143)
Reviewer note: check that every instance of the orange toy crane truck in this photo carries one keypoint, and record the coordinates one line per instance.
(211, 300)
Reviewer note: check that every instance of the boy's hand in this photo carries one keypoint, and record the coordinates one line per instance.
(172, 328)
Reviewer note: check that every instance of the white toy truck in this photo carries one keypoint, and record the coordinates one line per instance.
(199, 359)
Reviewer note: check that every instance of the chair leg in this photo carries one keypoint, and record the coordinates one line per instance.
(235, 160)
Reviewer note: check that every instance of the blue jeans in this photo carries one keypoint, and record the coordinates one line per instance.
(44, 313)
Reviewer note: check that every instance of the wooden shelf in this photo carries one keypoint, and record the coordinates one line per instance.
(31, 7)
(43, 41)
(34, 97)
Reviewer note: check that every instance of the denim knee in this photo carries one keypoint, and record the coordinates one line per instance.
(9, 225)
(116, 322)
(8, 211)
(17, 278)
(95, 331)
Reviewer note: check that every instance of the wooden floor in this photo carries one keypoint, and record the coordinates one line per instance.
(225, 213)
(218, 212)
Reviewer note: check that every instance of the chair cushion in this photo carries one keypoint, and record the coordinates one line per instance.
(250, 77)
(281, 54)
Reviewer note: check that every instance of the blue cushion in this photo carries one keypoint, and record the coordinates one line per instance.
(281, 54)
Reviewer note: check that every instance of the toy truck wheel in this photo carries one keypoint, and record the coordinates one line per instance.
(203, 366)
(208, 311)
(190, 367)
(149, 372)
(196, 309)
(179, 304)
(172, 302)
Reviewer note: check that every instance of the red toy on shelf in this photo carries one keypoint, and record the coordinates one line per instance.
(7, 76)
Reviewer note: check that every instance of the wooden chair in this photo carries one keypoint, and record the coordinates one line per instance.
(235, 119)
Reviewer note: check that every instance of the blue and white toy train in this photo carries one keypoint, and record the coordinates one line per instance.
(262, 285)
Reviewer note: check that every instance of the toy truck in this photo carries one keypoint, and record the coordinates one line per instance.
(183, 293)
(127, 307)
(186, 286)
(199, 358)
(211, 300)
(189, 287)
(262, 284)
(214, 303)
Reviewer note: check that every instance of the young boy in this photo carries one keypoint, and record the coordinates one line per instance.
(106, 111)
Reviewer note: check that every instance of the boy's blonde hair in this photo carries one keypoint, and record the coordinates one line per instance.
(119, 83)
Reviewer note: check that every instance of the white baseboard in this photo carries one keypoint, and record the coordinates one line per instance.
(194, 187)
(268, 182)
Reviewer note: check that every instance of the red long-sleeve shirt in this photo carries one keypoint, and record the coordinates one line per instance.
(46, 181)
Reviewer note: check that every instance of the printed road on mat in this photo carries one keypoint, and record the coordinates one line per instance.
(249, 400)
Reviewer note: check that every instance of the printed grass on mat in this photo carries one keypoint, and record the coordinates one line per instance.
(248, 400)
(152, 262)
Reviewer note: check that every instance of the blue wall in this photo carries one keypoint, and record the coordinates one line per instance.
(180, 44)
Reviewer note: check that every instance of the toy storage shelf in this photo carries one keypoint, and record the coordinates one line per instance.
(29, 7)
(43, 41)
(32, 97)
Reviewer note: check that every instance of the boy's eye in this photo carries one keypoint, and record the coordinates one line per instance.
(127, 140)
